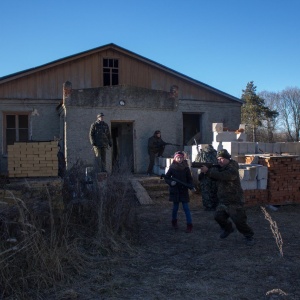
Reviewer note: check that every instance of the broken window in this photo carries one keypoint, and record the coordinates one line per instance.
(110, 71)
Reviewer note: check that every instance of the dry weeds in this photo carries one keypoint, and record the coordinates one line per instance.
(175, 265)
(108, 247)
(47, 239)
(275, 230)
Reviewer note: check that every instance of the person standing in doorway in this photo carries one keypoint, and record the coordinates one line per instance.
(100, 139)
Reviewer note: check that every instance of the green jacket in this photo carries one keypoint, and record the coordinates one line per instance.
(100, 135)
(228, 183)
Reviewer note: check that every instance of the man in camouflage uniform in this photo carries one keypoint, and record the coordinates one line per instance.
(100, 139)
(230, 195)
(208, 185)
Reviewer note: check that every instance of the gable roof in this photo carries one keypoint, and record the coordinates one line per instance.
(123, 51)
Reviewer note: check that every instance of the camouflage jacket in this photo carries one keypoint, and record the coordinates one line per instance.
(228, 183)
(208, 155)
(100, 135)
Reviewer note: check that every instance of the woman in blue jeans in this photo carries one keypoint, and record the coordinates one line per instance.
(179, 193)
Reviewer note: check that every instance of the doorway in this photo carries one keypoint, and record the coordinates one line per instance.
(191, 128)
(122, 139)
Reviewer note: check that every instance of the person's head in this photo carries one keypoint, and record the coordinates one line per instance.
(157, 133)
(179, 156)
(100, 116)
(223, 157)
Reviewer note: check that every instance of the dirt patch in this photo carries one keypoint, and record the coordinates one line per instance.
(175, 265)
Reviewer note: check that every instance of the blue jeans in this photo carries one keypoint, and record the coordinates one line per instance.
(186, 209)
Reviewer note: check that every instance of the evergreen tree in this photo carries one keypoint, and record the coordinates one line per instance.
(254, 111)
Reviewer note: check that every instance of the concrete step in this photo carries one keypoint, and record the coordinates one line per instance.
(153, 190)
(155, 187)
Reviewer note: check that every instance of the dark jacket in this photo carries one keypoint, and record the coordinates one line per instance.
(179, 192)
(228, 183)
(100, 135)
(155, 144)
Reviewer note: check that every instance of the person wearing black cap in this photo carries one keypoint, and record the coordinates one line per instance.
(100, 139)
(230, 196)
(156, 146)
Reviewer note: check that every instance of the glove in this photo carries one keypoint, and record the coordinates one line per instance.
(173, 183)
(110, 144)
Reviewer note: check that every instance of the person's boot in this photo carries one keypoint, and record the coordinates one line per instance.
(225, 233)
(189, 228)
(174, 224)
(249, 240)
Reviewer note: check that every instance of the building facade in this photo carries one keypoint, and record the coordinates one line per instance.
(60, 100)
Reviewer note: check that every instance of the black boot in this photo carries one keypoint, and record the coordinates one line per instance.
(174, 224)
(189, 228)
(225, 233)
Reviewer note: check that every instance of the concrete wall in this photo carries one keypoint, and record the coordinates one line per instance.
(43, 121)
(212, 112)
(148, 110)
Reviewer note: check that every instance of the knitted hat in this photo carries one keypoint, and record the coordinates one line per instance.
(100, 115)
(224, 153)
(178, 153)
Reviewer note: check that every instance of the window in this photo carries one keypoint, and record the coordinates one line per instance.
(110, 71)
(16, 128)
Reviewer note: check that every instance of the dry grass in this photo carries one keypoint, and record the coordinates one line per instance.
(275, 231)
(50, 235)
(100, 245)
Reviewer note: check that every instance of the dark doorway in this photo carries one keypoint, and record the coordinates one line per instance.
(122, 138)
(191, 128)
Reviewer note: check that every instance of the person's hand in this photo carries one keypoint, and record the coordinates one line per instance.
(173, 183)
(110, 144)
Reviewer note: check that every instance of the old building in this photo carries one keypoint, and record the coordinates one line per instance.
(60, 100)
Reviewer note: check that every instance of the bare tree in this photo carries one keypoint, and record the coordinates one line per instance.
(272, 101)
(289, 108)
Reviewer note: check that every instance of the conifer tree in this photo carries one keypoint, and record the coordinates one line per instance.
(254, 111)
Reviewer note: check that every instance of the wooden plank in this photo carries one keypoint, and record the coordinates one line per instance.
(140, 192)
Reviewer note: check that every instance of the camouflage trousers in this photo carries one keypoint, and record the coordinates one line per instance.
(100, 156)
(208, 192)
(237, 214)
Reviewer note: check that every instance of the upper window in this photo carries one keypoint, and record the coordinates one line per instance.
(110, 71)
(16, 128)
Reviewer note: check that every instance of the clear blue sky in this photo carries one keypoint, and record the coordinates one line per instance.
(222, 43)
